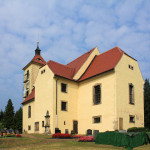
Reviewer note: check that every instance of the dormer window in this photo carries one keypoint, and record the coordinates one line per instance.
(38, 59)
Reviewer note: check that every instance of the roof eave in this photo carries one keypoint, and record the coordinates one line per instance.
(33, 63)
(96, 75)
(30, 100)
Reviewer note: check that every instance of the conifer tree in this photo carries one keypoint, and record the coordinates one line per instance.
(1, 119)
(9, 115)
(1, 116)
(18, 120)
(147, 104)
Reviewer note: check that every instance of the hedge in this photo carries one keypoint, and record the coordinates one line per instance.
(136, 129)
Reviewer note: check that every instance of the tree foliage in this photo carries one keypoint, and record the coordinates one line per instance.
(9, 115)
(18, 120)
(1, 116)
(10, 119)
(147, 104)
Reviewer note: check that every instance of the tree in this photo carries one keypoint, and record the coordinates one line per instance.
(1, 116)
(18, 120)
(147, 104)
(9, 115)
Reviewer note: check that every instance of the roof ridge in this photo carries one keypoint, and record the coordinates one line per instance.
(112, 49)
(81, 56)
(59, 64)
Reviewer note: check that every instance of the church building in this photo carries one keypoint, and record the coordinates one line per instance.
(96, 91)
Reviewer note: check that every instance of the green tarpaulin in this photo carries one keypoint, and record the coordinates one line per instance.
(128, 141)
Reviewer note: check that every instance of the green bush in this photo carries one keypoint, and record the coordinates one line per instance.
(136, 129)
(10, 135)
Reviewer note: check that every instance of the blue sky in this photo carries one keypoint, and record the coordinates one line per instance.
(67, 29)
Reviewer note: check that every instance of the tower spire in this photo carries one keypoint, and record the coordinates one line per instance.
(37, 51)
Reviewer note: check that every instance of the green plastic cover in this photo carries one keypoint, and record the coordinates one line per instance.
(127, 140)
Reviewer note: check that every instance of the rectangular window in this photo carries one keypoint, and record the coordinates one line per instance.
(36, 126)
(131, 67)
(97, 94)
(64, 106)
(131, 94)
(132, 119)
(27, 93)
(27, 86)
(27, 74)
(43, 71)
(96, 119)
(29, 127)
(29, 111)
(63, 87)
(42, 123)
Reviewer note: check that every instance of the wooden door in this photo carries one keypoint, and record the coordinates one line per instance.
(120, 123)
(75, 126)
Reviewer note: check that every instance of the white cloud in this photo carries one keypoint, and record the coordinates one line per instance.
(66, 30)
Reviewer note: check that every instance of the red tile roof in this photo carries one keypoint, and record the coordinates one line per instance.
(30, 97)
(77, 63)
(68, 71)
(103, 62)
(38, 59)
(61, 70)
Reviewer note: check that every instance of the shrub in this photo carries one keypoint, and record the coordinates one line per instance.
(86, 139)
(61, 135)
(136, 129)
(10, 135)
(18, 135)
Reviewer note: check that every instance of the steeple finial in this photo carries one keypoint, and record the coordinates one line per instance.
(37, 51)
(38, 44)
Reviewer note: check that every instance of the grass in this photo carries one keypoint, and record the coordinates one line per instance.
(44, 142)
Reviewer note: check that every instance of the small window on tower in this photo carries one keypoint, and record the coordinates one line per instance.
(42, 123)
(39, 59)
(27, 93)
(27, 74)
(29, 111)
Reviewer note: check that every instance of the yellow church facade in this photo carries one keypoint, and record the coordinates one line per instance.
(95, 91)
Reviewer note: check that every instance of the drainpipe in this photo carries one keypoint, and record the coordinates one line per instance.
(56, 103)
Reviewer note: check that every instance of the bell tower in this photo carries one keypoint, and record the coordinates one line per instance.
(31, 71)
(37, 51)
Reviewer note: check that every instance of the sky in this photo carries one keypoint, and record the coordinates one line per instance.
(66, 29)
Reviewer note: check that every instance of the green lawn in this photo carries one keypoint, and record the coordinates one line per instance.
(40, 142)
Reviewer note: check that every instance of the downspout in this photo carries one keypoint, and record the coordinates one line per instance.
(56, 103)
